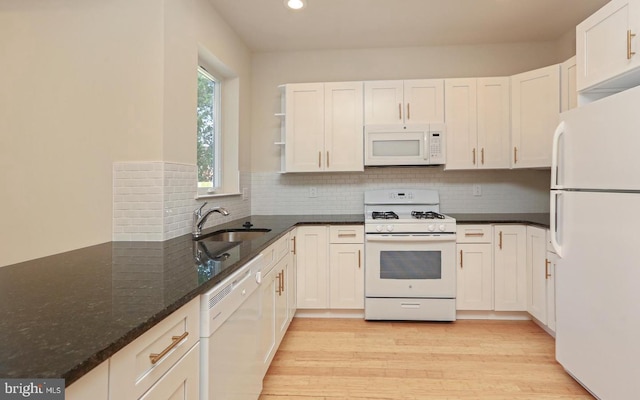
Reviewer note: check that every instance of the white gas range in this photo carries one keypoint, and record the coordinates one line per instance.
(410, 271)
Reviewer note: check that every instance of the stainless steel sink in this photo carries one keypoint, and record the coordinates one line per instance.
(236, 235)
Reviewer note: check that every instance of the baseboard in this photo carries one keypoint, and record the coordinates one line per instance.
(497, 315)
(309, 313)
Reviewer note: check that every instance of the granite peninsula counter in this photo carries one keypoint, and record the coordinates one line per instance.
(63, 315)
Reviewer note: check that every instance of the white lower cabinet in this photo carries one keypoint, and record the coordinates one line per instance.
(94, 385)
(536, 273)
(506, 267)
(277, 299)
(267, 335)
(474, 264)
(510, 269)
(312, 261)
(474, 276)
(165, 357)
(552, 262)
(181, 382)
(330, 267)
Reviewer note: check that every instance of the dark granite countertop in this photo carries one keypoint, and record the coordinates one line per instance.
(539, 219)
(63, 315)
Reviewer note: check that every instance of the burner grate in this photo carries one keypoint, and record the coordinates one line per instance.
(384, 215)
(426, 215)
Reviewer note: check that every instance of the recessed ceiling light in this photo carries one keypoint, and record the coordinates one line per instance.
(294, 4)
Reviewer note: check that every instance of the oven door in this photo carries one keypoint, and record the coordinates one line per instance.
(410, 266)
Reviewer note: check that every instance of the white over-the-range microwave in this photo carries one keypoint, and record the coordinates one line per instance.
(420, 144)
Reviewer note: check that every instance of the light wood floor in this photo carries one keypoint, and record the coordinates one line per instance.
(354, 359)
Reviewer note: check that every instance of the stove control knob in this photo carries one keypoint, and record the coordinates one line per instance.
(389, 228)
(442, 227)
(431, 227)
(379, 228)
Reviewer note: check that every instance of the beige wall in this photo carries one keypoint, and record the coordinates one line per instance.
(273, 69)
(87, 83)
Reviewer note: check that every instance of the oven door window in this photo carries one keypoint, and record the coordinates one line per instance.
(416, 264)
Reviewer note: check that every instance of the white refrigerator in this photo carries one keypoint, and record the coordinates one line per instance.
(595, 229)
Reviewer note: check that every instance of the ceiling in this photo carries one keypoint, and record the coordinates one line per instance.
(267, 25)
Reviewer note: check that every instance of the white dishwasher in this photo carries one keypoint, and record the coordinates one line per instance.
(230, 366)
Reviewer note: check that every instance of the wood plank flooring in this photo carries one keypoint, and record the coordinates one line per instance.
(330, 359)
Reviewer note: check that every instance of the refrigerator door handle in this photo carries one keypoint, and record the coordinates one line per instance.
(555, 155)
(554, 222)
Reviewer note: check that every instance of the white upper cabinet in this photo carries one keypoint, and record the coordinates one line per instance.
(607, 47)
(568, 89)
(304, 126)
(343, 126)
(535, 114)
(419, 101)
(461, 116)
(477, 114)
(323, 127)
(494, 111)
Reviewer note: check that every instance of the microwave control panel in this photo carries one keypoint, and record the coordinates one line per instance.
(436, 145)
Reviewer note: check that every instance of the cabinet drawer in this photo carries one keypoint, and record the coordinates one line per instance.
(474, 233)
(132, 371)
(281, 247)
(346, 234)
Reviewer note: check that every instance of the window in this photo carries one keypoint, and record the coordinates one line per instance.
(208, 140)
(218, 127)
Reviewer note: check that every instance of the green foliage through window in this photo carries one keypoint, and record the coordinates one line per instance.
(207, 130)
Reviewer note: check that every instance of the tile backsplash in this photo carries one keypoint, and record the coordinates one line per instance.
(154, 201)
(502, 191)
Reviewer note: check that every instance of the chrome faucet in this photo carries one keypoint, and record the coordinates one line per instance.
(199, 218)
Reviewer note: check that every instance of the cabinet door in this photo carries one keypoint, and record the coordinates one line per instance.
(494, 113)
(282, 304)
(182, 382)
(568, 90)
(346, 273)
(267, 317)
(94, 385)
(552, 262)
(304, 126)
(475, 277)
(343, 125)
(311, 258)
(536, 278)
(292, 290)
(423, 101)
(461, 119)
(603, 44)
(383, 102)
(535, 113)
(510, 267)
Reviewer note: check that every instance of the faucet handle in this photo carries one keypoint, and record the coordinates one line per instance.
(198, 211)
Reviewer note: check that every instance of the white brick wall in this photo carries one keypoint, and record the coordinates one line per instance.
(154, 201)
(503, 191)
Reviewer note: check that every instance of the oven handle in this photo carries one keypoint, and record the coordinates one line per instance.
(411, 238)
